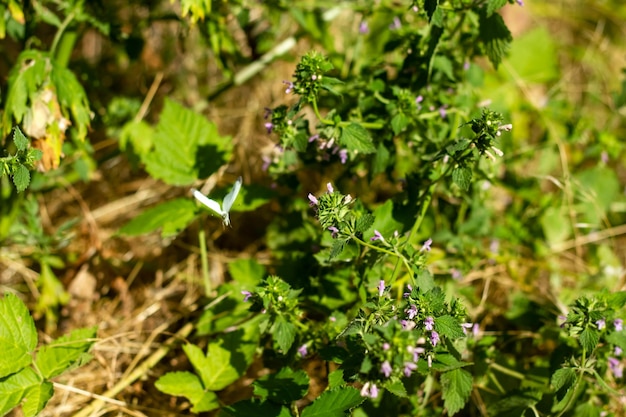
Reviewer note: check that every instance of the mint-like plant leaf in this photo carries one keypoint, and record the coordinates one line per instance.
(356, 138)
(18, 336)
(334, 403)
(456, 387)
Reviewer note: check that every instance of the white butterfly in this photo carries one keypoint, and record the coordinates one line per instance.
(215, 207)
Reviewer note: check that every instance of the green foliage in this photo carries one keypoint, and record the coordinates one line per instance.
(19, 165)
(19, 382)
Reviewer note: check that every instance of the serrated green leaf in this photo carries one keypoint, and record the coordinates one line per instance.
(396, 387)
(36, 398)
(282, 387)
(449, 327)
(337, 248)
(334, 403)
(495, 36)
(21, 143)
(364, 222)
(172, 217)
(186, 384)
(284, 334)
(72, 98)
(563, 377)
(18, 336)
(21, 178)
(456, 387)
(356, 138)
(589, 339)
(15, 387)
(58, 356)
(462, 176)
(186, 147)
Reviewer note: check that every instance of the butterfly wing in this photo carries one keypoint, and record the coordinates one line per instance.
(213, 205)
(230, 197)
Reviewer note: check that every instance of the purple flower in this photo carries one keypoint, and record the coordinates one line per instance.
(267, 161)
(617, 351)
(268, 113)
(377, 236)
(419, 99)
(466, 326)
(442, 112)
(313, 200)
(618, 323)
(407, 324)
(416, 353)
(330, 188)
(475, 329)
(289, 86)
(426, 246)
(385, 369)
(429, 323)
(430, 361)
(397, 24)
(616, 367)
(314, 138)
(466, 65)
(411, 312)
(434, 338)
(269, 126)
(601, 324)
(456, 274)
(386, 346)
(369, 390)
(333, 231)
(520, 2)
(409, 367)
(381, 287)
(302, 350)
(343, 156)
(246, 295)
(364, 28)
(409, 289)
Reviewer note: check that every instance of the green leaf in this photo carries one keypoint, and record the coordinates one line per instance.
(493, 5)
(449, 327)
(381, 159)
(139, 135)
(72, 98)
(172, 216)
(21, 143)
(247, 271)
(399, 122)
(443, 64)
(334, 403)
(563, 378)
(58, 356)
(186, 384)
(356, 138)
(396, 387)
(36, 398)
(462, 176)
(14, 388)
(336, 379)
(18, 336)
(589, 339)
(282, 387)
(284, 333)
(21, 178)
(618, 339)
(496, 37)
(456, 388)
(364, 222)
(186, 147)
(337, 248)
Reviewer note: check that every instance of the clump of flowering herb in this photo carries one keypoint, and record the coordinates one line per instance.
(310, 77)
(389, 342)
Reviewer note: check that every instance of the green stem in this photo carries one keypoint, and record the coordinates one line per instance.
(57, 37)
(388, 252)
(205, 263)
